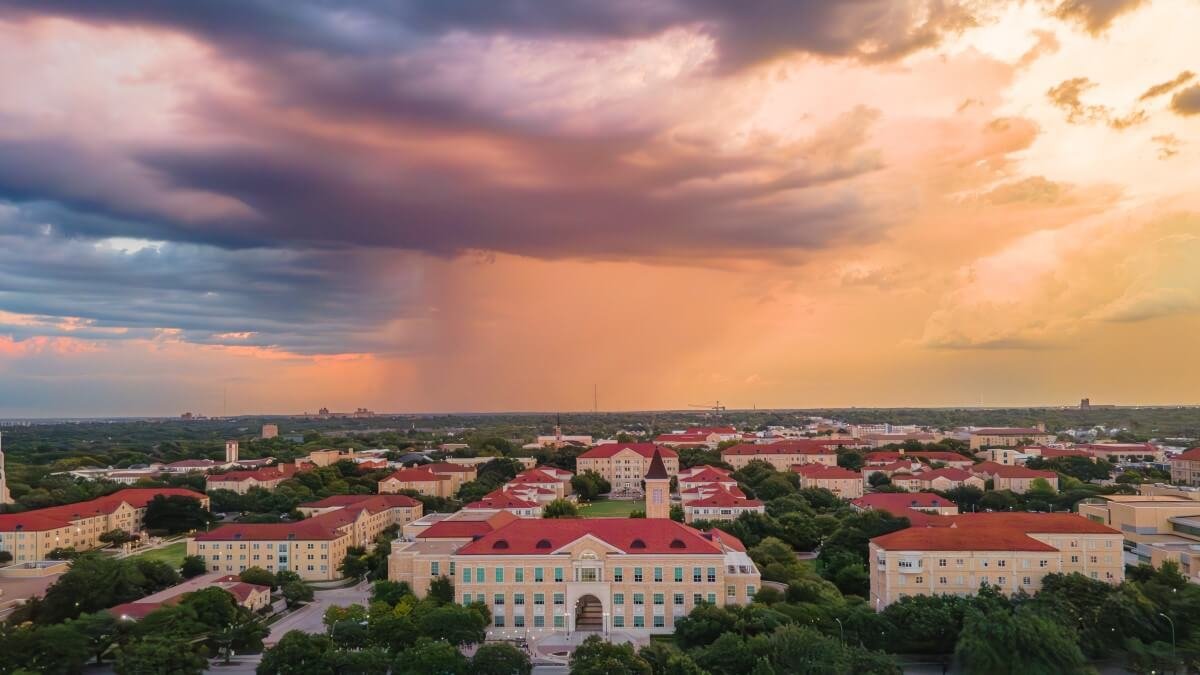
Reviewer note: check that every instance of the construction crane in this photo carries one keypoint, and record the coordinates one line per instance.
(716, 407)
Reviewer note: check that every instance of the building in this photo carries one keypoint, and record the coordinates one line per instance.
(1018, 479)
(701, 476)
(541, 484)
(502, 500)
(1185, 467)
(251, 596)
(842, 482)
(722, 504)
(942, 480)
(950, 459)
(784, 454)
(31, 535)
(191, 466)
(1123, 452)
(314, 547)
(1155, 528)
(624, 464)
(1011, 552)
(458, 473)
(525, 462)
(1010, 437)
(421, 480)
(270, 431)
(460, 526)
(242, 482)
(899, 504)
(231, 452)
(686, 440)
(539, 577)
(879, 439)
(326, 457)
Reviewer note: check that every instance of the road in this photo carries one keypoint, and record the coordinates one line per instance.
(311, 617)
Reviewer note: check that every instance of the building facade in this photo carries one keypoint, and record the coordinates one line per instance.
(785, 454)
(842, 482)
(1185, 467)
(624, 465)
(1008, 551)
(1010, 437)
(420, 480)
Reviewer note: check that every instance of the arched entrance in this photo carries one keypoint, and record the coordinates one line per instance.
(589, 614)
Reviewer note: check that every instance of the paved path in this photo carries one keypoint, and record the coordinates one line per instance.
(311, 617)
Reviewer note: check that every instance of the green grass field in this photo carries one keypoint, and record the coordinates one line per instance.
(611, 508)
(172, 554)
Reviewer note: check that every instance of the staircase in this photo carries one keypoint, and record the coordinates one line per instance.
(590, 617)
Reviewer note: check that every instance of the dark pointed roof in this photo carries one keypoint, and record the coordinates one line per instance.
(658, 470)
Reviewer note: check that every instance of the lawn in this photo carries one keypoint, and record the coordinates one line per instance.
(611, 508)
(172, 554)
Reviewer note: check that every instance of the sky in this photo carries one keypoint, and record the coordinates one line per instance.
(271, 206)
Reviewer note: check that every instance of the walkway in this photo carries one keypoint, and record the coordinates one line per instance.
(311, 617)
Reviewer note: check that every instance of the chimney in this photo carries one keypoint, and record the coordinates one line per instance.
(231, 452)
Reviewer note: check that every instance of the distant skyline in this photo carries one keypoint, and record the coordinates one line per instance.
(415, 206)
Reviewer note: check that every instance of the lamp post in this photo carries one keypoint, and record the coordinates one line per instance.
(1172, 623)
(841, 629)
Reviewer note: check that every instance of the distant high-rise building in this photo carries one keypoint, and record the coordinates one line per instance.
(231, 452)
(1085, 403)
(270, 430)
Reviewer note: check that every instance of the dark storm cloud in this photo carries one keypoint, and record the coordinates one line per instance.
(746, 32)
(1187, 101)
(1095, 15)
(303, 301)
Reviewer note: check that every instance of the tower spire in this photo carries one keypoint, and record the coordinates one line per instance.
(658, 487)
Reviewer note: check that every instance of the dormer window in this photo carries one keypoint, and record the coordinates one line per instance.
(678, 543)
(638, 543)
(542, 543)
(500, 544)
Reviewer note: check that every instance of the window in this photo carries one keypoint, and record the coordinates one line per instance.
(1043, 563)
(637, 575)
(558, 621)
(539, 621)
(518, 598)
(658, 574)
(1074, 558)
(499, 575)
(658, 598)
(942, 562)
(466, 598)
(696, 577)
(498, 621)
(1094, 559)
(558, 574)
(942, 580)
(498, 599)
(679, 599)
(479, 574)
(750, 591)
(618, 621)
(639, 621)
(618, 574)
(519, 620)
(451, 568)
(588, 574)
(433, 568)
(712, 575)
(639, 599)
(1026, 581)
(618, 598)
(697, 598)
(712, 598)
(919, 580)
(559, 599)
(678, 575)
(537, 575)
(731, 591)
(1001, 563)
(519, 575)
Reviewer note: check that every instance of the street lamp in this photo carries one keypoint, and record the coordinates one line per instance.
(841, 629)
(1173, 661)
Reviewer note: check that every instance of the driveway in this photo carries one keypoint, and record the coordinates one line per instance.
(311, 617)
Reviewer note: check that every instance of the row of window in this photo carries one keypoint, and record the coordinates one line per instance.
(255, 546)
(699, 574)
(638, 599)
(1000, 581)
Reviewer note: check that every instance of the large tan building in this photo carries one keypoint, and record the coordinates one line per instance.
(842, 482)
(1009, 551)
(784, 454)
(1010, 437)
(1185, 468)
(421, 480)
(583, 574)
(242, 482)
(313, 547)
(32, 535)
(624, 465)
(1156, 528)
(1018, 479)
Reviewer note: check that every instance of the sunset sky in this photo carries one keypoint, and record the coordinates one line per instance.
(454, 205)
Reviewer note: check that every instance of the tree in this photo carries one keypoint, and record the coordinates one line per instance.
(118, 537)
(441, 590)
(996, 640)
(193, 566)
(354, 565)
(176, 513)
(597, 657)
(93, 583)
(259, 577)
(371, 661)
(298, 653)
(214, 607)
(455, 624)
(589, 485)
(560, 508)
(158, 655)
(296, 593)
(5, 557)
(391, 592)
(878, 478)
(430, 657)
(499, 658)
(101, 630)
(677, 513)
(703, 626)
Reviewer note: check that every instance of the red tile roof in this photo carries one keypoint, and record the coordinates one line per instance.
(31, 521)
(1036, 523)
(806, 447)
(699, 439)
(137, 498)
(447, 467)
(708, 475)
(134, 611)
(415, 476)
(309, 529)
(822, 471)
(1051, 453)
(950, 473)
(894, 501)
(702, 468)
(534, 477)
(653, 536)
(724, 498)
(242, 590)
(609, 449)
(467, 529)
(500, 499)
(349, 500)
(1004, 471)
(711, 430)
(1192, 455)
(959, 539)
(260, 475)
(1010, 431)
